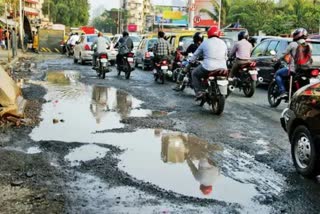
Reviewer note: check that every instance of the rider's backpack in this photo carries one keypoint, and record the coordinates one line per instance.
(123, 49)
(303, 55)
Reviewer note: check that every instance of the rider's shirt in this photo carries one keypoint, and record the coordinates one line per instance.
(101, 44)
(162, 47)
(214, 52)
(242, 49)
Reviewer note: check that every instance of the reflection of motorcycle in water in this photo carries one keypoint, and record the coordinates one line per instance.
(178, 148)
(124, 103)
(98, 106)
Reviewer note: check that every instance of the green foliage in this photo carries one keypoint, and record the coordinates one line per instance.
(70, 13)
(275, 18)
(108, 20)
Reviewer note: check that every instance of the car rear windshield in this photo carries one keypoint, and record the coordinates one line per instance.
(135, 39)
(151, 43)
(315, 49)
(91, 38)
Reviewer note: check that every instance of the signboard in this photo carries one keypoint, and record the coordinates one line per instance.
(132, 27)
(171, 16)
(203, 9)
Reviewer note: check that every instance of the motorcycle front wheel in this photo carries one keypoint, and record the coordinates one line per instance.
(273, 94)
(250, 88)
(217, 104)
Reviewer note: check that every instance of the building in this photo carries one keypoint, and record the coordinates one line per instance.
(137, 11)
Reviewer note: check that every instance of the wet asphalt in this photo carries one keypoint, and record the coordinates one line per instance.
(136, 146)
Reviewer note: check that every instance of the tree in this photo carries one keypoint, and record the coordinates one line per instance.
(70, 13)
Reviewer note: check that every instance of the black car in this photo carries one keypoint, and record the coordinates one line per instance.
(144, 55)
(263, 55)
(301, 120)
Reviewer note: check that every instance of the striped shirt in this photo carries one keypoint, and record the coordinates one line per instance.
(162, 48)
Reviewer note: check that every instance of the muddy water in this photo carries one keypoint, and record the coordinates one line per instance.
(173, 161)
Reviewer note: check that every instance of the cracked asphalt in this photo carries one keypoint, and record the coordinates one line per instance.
(135, 146)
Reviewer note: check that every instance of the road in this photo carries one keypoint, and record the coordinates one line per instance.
(135, 146)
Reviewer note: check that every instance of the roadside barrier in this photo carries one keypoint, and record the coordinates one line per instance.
(50, 40)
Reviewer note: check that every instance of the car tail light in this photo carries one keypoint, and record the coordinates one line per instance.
(314, 73)
(104, 56)
(87, 47)
(164, 62)
(147, 55)
(130, 54)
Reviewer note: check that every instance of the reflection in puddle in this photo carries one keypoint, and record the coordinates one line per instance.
(85, 109)
(85, 153)
(62, 77)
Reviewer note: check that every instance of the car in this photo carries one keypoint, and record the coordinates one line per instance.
(264, 56)
(229, 42)
(144, 55)
(258, 39)
(301, 121)
(136, 41)
(83, 52)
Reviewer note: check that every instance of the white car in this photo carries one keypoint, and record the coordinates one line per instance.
(83, 52)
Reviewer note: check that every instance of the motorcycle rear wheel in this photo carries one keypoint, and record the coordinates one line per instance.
(250, 89)
(273, 93)
(218, 104)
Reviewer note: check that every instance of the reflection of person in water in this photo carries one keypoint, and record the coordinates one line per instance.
(178, 147)
(124, 104)
(98, 106)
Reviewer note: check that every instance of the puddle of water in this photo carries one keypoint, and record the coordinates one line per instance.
(30, 150)
(85, 109)
(175, 161)
(85, 153)
(62, 77)
(34, 150)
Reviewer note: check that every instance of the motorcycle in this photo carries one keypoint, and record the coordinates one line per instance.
(102, 65)
(298, 79)
(245, 79)
(161, 69)
(69, 50)
(216, 85)
(126, 65)
(177, 65)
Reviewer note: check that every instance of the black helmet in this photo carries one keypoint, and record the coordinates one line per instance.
(198, 37)
(299, 33)
(125, 33)
(243, 35)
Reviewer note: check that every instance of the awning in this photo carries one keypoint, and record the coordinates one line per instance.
(8, 21)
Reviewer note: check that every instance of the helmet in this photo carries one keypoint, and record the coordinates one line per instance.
(243, 35)
(206, 190)
(299, 33)
(214, 31)
(197, 37)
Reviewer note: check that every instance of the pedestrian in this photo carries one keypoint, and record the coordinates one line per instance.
(14, 42)
(1, 37)
(6, 38)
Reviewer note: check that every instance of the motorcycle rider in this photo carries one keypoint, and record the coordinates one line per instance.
(99, 46)
(161, 49)
(242, 51)
(299, 37)
(125, 45)
(214, 52)
(197, 40)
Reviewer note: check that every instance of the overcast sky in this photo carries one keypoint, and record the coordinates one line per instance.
(109, 4)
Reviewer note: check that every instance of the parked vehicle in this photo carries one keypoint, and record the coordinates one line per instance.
(299, 79)
(264, 58)
(126, 65)
(83, 52)
(160, 70)
(301, 122)
(102, 65)
(144, 54)
(216, 85)
(246, 78)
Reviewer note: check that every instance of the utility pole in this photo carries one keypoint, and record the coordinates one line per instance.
(191, 13)
(220, 9)
(21, 24)
(8, 32)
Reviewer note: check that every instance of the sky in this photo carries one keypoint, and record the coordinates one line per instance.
(100, 5)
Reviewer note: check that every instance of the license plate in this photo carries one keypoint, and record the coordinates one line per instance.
(253, 72)
(223, 82)
(104, 60)
(154, 71)
(314, 80)
(164, 67)
(130, 59)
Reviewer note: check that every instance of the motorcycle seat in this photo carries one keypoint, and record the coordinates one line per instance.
(103, 53)
(218, 72)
